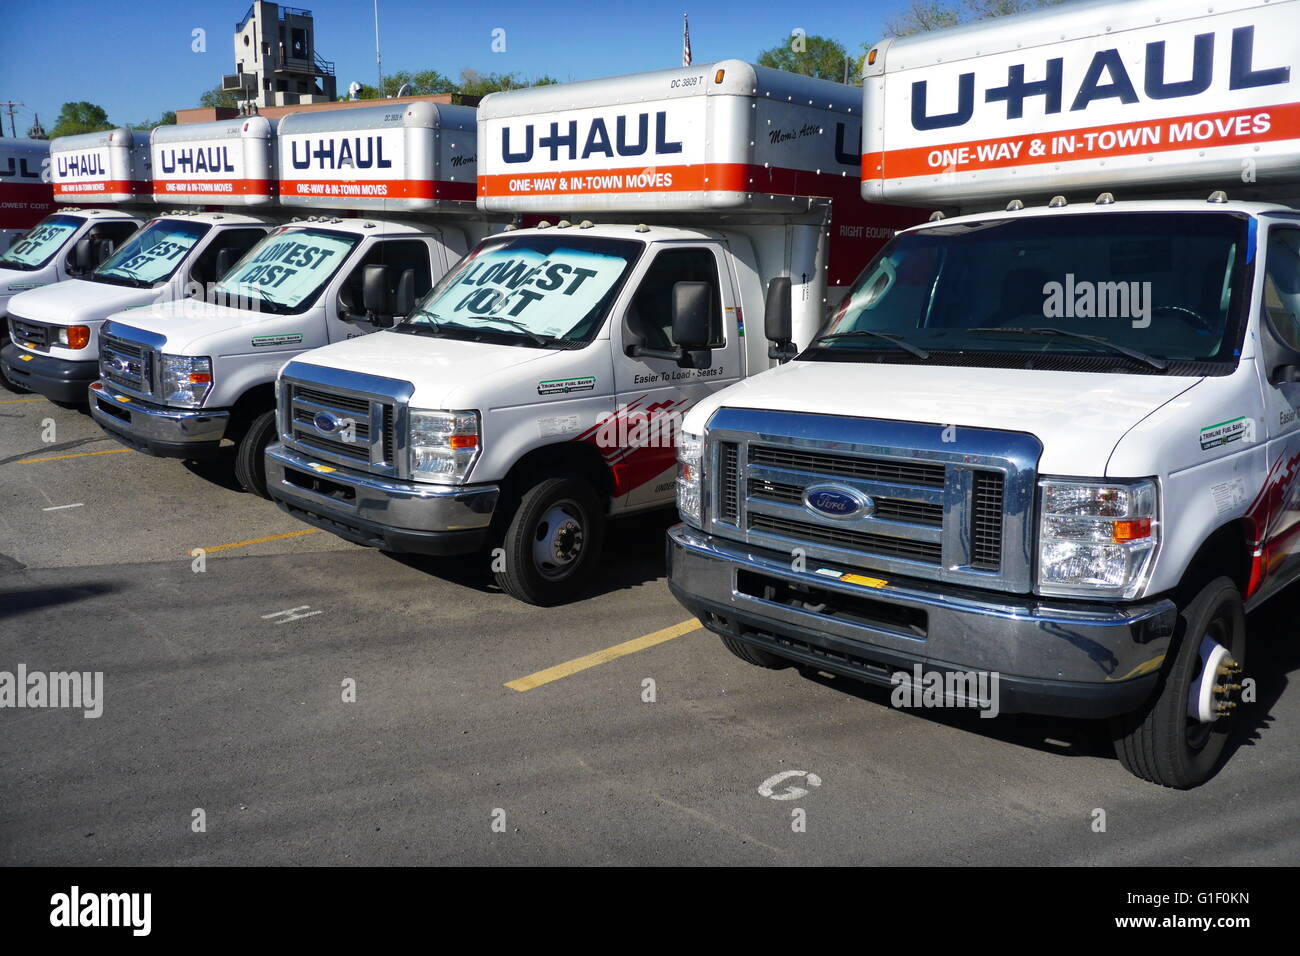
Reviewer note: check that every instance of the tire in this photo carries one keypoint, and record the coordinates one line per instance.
(1161, 743)
(754, 655)
(560, 519)
(250, 462)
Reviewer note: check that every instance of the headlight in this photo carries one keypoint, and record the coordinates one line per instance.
(72, 336)
(690, 453)
(443, 445)
(1096, 539)
(186, 379)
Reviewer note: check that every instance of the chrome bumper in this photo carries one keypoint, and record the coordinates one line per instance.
(1053, 657)
(387, 513)
(157, 429)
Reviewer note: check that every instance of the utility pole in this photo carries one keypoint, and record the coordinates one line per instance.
(379, 61)
(10, 106)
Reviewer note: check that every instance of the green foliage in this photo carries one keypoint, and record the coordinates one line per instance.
(216, 97)
(80, 117)
(922, 16)
(167, 119)
(810, 55)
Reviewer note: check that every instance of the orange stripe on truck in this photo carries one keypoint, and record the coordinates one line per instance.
(1202, 131)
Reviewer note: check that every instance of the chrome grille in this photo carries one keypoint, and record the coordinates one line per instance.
(34, 335)
(953, 511)
(126, 364)
(344, 417)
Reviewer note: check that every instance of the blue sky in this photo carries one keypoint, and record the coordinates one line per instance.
(149, 66)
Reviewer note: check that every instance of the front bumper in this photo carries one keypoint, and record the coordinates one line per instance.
(60, 380)
(391, 514)
(158, 430)
(1067, 658)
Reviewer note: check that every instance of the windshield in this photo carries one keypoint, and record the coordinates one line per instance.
(41, 243)
(543, 290)
(1131, 291)
(286, 271)
(152, 254)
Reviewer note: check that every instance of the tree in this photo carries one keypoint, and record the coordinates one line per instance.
(217, 97)
(167, 119)
(922, 16)
(810, 55)
(474, 83)
(80, 117)
(423, 83)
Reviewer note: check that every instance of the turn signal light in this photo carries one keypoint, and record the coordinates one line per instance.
(1132, 530)
(200, 378)
(464, 441)
(78, 336)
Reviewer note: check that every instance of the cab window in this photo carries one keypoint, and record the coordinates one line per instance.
(650, 314)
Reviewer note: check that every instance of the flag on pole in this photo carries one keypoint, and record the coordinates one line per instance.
(686, 41)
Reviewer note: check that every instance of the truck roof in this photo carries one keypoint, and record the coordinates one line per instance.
(216, 217)
(640, 232)
(726, 136)
(112, 166)
(1093, 207)
(417, 157)
(366, 225)
(231, 162)
(1150, 96)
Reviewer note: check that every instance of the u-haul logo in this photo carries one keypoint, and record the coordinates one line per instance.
(190, 160)
(623, 135)
(16, 167)
(82, 164)
(1105, 80)
(355, 153)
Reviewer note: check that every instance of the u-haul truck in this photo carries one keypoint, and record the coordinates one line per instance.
(1055, 443)
(97, 168)
(26, 196)
(184, 379)
(225, 167)
(532, 394)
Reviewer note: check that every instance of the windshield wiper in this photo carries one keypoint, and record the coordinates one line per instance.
(898, 340)
(1156, 363)
(525, 330)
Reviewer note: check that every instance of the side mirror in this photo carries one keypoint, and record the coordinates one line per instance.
(102, 250)
(81, 259)
(376, 299)
(221, 265)
(404, 299)
(778, 325)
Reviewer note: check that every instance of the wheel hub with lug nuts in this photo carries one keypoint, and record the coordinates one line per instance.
(559, 538)
(1211, 693)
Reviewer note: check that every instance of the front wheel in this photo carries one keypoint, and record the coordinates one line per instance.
(553, 543)
(250, 456)
(1178, 738)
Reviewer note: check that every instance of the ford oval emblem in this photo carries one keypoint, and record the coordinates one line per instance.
(837, 501)
(326, 423)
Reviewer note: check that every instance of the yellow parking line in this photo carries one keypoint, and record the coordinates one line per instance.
(602, 657)
(270, 537)
(19, 401)
(80, 454)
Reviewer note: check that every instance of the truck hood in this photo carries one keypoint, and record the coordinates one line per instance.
(1078, 416)
(78, 302)
(192, 327)
(446, 373)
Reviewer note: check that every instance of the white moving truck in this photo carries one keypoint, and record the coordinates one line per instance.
(179, 255)
(532, 395)
(26, 196)
(110, 168)
(1055, 441)
(179, 379)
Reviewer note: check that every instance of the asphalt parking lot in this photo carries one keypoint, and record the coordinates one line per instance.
(224, 703)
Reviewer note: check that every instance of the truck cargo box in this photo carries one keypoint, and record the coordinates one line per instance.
(726, 136)
(1147, 97)
(25, 193)
(412, 157)
(230, 162)
(108, 167)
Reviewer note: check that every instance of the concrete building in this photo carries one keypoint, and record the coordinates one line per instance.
(276, 63)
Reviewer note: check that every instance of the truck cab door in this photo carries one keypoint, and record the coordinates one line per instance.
(408, 276)
(653, 393)
(1277, 509)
